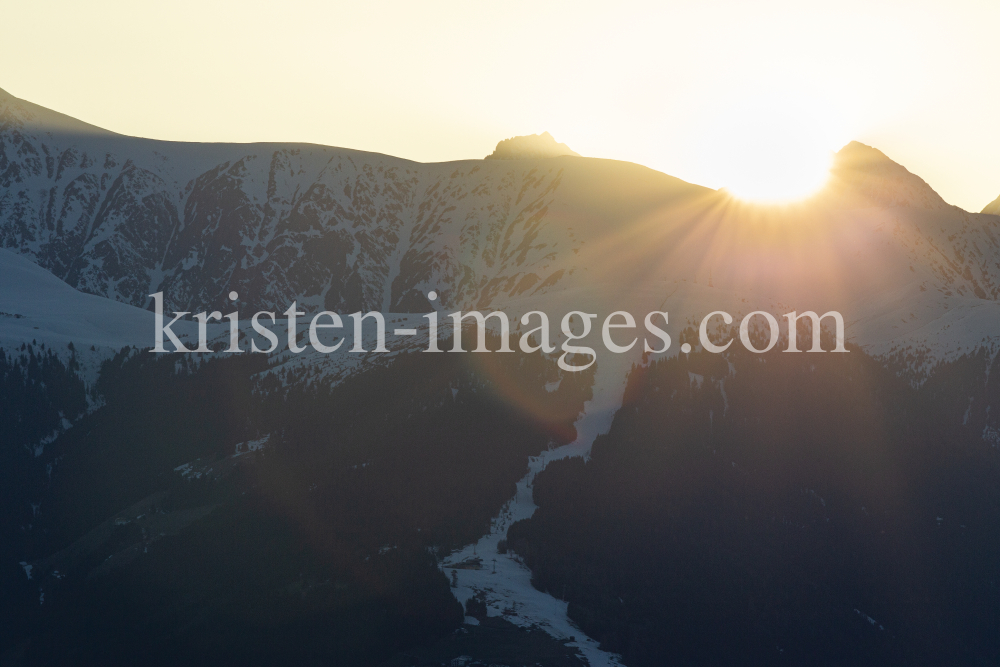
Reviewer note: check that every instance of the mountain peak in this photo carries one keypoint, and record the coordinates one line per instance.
(993, 207)
(530, 146)
(869, 172)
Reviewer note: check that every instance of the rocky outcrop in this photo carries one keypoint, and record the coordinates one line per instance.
(530, 146)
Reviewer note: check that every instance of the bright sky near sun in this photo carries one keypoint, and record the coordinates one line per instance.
(752, 96)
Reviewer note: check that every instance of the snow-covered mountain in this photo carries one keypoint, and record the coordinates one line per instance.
(37, 306)
(345, 230)
(92, 223)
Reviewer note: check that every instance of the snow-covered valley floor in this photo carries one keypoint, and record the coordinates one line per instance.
(503, 580)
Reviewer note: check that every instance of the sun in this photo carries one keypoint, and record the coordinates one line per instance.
(778, 170)
(774, 149)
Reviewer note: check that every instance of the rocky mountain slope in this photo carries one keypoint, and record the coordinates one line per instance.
(345, 230)
(294, 440)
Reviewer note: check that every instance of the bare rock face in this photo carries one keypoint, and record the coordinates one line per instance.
(530, 146)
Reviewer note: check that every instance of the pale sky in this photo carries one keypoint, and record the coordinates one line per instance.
(717, 93)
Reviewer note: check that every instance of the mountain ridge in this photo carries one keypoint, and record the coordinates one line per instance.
(992, 208)
(882, 179)
(347, 230)
(116, 218)
(43, 118)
